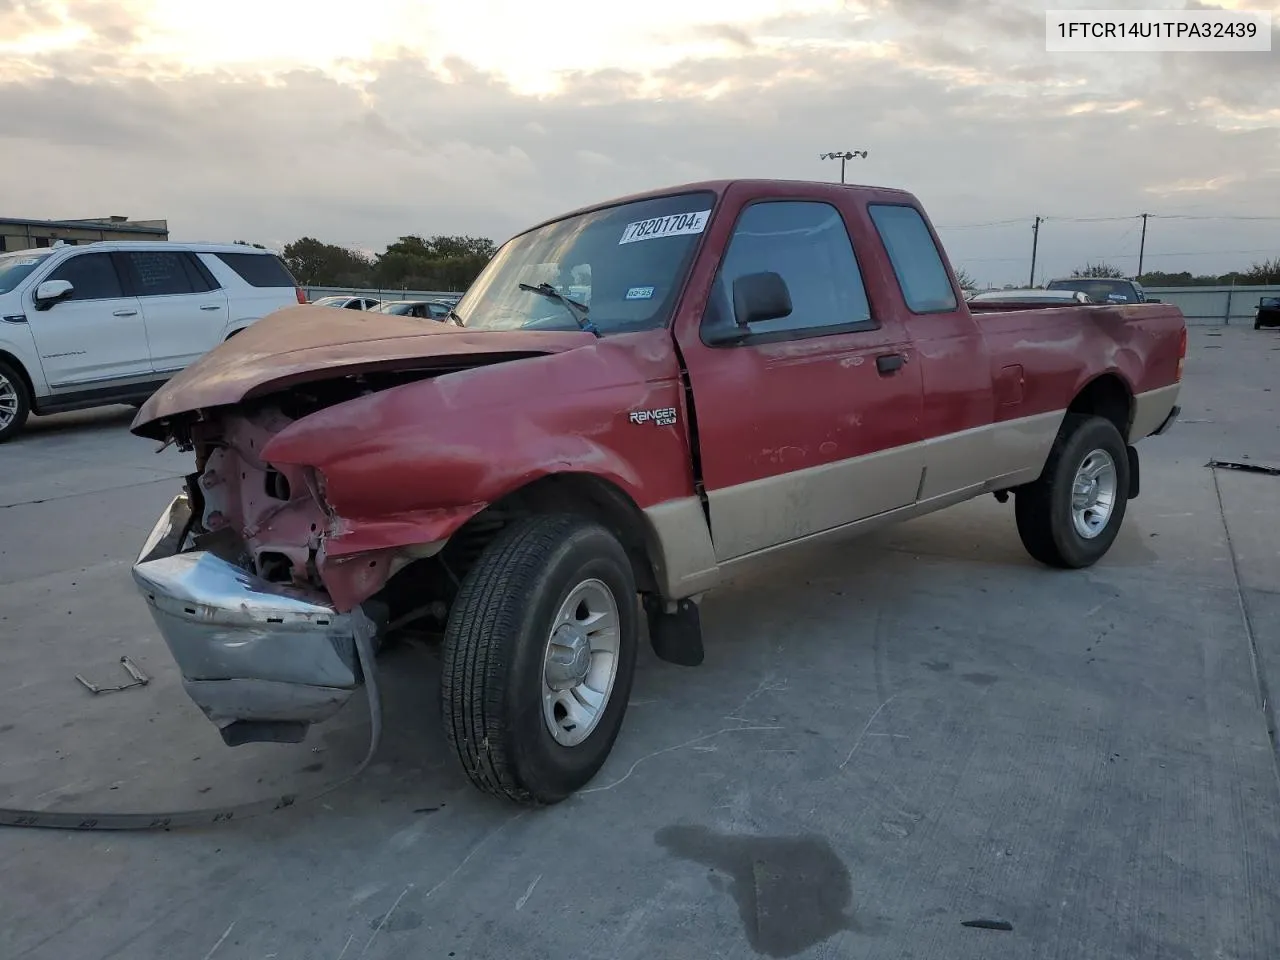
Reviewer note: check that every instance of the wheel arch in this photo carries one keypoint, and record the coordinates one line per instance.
(586, 494)
(18, 366)
(1109, 396)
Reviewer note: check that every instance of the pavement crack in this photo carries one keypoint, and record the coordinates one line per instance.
(89, 493)
(1255, 659)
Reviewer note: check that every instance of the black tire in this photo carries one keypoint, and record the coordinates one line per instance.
(1043, 508)
(494, 653)
(11, 377)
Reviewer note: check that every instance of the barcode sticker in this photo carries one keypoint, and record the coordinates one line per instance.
(678, 224)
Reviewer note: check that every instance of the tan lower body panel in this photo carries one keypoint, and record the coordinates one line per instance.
(989, 457)
(1150, 410)
(688, 567)
(753, 521)
(780, 509)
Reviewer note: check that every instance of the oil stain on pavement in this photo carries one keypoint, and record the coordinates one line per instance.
(792, 892)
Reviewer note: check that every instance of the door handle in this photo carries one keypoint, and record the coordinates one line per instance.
(890, 363)
(210, 306)
(124, 313)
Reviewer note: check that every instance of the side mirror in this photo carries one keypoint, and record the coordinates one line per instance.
(51, 291)
(760, 296)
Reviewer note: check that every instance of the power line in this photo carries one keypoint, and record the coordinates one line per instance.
(1135, 216)
(1122, 256)
(992, 223)
(1183, 216)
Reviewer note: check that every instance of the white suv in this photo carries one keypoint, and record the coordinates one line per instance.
(102, 323)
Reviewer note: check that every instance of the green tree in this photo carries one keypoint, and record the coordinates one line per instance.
(435, 263)
(327, 265)
(1099, 270)
(1266, 272)
(965, 280)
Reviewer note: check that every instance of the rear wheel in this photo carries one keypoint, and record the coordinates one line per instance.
(1071, 515)
(15, 402)
(539, 654)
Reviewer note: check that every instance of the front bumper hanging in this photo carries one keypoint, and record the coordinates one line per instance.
(262, 660)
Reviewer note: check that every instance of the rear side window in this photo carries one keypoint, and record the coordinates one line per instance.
(259, 269)
(916, 261)
(92, 277)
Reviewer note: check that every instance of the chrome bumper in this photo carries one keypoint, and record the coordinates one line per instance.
(262, 660)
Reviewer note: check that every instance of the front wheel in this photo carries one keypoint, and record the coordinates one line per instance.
(1071, 515)
(15, 402)
(539, 655)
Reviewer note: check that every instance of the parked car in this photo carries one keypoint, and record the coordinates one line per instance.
(1267, 313)
(1104, 289)
(740, 385)
(103, 323)
(425, 309)
(1031, 296)
(348, 303)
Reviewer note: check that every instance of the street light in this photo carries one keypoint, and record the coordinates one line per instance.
(842, 156)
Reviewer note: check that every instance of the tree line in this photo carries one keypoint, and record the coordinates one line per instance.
(411, 263)
(1259, 274)
(453, 262)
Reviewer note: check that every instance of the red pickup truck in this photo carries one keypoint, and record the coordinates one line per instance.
(633, 403)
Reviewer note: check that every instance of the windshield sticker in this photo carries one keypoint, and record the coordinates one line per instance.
(640, 293)
(676, 225)
(26, 261)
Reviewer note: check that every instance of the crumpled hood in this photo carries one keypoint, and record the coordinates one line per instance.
(309, 343)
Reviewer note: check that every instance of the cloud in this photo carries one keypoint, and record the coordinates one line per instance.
(420, 147)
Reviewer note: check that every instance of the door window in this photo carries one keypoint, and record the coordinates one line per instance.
(92, 277)
(808, 245)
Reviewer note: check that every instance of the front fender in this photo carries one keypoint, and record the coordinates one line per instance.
(410, 465)
(470, 437)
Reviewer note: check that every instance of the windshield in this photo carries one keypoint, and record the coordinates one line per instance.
(1121, 291)
(14, 268)
(399, 309)
(330, 301)
(624, 263)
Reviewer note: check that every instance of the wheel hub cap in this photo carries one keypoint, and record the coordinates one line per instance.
(569, 659)
(1093, 494)
(8, 402)
(581, 662)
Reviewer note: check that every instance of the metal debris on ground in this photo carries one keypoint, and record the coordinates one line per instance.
(140, 679)
(1250, 467)
(987, 924)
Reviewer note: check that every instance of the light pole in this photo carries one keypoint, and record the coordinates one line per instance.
(842, 156)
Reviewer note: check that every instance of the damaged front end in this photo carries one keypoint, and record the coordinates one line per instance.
(231, 575)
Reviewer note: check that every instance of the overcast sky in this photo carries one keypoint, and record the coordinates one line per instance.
(265, 120)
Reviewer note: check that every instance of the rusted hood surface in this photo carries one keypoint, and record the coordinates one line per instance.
(308, 343)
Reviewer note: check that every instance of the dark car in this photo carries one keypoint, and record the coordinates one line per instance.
(1267, 314)
(1104, 289)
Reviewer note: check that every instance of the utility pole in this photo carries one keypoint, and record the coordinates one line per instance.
(1142, 245)
(1035, 242)
(842, 156)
